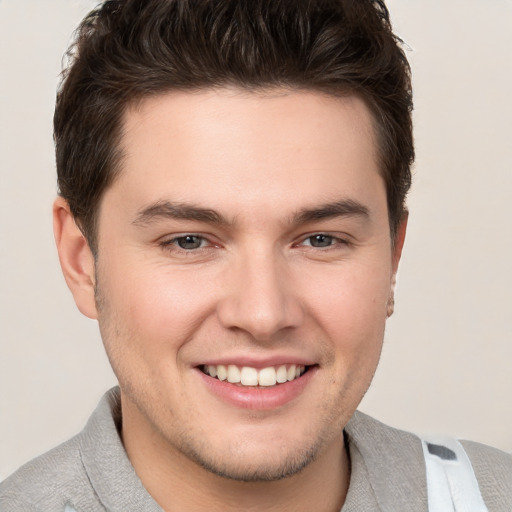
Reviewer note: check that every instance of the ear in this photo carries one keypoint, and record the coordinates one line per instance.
(397, 253)
(76, 258)
(399, 241)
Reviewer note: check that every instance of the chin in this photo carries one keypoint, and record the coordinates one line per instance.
(258, 468)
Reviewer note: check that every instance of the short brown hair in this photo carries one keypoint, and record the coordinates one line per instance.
(126, 50)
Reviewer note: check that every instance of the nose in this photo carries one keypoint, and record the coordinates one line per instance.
(260, 297)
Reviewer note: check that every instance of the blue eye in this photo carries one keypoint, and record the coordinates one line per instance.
(189, 242)
(321, 240)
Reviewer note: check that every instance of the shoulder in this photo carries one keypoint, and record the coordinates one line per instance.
(381, 443)
(48, 482)
(493, 470)
(393, 463)
(89, 472)
(383, 447)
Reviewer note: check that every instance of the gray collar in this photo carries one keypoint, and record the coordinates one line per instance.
(388, 468)
(109, 470)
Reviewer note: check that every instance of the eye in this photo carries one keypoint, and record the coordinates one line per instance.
(187, 242)
(321, 240)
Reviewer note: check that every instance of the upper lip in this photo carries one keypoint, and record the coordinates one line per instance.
(257, 362)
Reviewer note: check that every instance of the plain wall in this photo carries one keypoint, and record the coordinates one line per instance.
(446, 361)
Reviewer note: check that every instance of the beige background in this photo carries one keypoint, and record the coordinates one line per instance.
(448, 352)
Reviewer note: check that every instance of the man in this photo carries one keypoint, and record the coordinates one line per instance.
(232, 211)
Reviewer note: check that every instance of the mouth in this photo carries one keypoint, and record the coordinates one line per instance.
(247, 376)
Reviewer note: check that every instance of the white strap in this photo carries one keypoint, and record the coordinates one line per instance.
(451, 482)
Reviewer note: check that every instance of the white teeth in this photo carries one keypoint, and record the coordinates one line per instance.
(248, 376)
(267, 376)
(233, 374)
(222, 373)
(281, 374)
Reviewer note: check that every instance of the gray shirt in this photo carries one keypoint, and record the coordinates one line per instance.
(91, 471)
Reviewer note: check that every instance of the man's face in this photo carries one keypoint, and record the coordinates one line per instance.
(247, 234)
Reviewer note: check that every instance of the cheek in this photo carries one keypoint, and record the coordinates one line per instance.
(159, 307)
(350, 304)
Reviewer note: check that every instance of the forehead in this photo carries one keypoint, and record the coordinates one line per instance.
(240, 148)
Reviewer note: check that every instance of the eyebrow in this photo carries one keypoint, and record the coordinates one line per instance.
(342, 208)
(185, 211)
(178, 211)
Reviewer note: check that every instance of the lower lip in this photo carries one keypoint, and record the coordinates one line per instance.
(258, 398)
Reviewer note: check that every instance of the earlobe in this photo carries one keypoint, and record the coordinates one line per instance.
(76, 258)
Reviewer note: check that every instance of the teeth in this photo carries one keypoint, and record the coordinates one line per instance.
(221, 371)
(281, 374)
(233, 374)
(248, 376)
(267, 376)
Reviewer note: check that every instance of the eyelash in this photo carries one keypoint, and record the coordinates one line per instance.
(174, 243)
(168, 244)
(335, 241)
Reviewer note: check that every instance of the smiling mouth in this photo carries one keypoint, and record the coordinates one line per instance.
(248, 376)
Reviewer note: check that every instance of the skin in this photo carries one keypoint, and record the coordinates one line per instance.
(258, 286)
